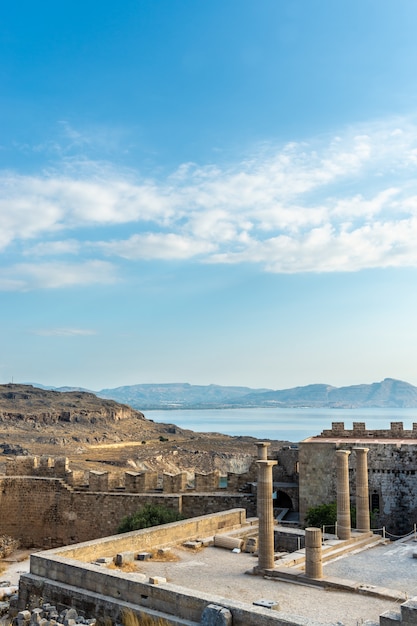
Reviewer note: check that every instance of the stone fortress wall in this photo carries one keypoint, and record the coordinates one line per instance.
(392, 463)
(45, 504)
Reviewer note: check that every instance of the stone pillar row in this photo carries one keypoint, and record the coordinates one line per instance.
(343, 493)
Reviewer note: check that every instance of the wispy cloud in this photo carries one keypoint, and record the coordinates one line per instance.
(64, 332)
(158, 246)
(28, 276)
(340, 203)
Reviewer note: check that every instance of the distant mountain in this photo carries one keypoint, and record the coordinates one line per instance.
(389, 393)
(178, 395)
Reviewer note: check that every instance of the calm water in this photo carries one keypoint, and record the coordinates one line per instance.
(285, 424)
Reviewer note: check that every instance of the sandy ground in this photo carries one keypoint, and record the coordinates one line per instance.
(16, 564)
(223, 573)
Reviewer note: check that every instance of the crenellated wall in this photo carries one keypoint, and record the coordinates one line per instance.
(392, 472)
(48, 511)
(396, 431)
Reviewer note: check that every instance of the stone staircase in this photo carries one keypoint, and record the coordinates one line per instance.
(332, 549)
(406, 616)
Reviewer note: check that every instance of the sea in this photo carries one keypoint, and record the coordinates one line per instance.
(291, 425)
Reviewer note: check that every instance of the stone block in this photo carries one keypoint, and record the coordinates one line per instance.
(267, 604)
(157, 580)
(251, 545)
(390, 618)
(215, 615)
(194, 545)
(223, 541)
(36, 616)
(164, 551)
(144, 556)
(124, 557)
(71, 614)
(23, 616)
(409, 611)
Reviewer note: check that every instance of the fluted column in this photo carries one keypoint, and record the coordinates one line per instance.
(343, 496)
(262, 449)
(265, 515)
(262, 456)
(362, 490)
(314, 564)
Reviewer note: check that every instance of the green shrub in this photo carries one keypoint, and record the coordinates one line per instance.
(147, 516)
(326, 515)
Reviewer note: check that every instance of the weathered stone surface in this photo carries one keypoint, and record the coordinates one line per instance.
(214, 615)
(267, 604)
(124, 557)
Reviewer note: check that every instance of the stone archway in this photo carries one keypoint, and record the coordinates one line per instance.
(283, 501)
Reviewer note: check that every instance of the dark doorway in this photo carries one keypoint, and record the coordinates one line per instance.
(283, 501)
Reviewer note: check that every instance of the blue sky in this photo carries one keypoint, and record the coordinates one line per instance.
(208, 192)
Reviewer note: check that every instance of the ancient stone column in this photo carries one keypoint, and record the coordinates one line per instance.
(314, 565)
(265, 515)
(362, 491)
(343, 496)
(262, 449)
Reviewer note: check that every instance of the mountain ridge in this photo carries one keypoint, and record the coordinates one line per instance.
(389, 393)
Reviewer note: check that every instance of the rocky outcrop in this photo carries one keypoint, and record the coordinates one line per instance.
(24, 403)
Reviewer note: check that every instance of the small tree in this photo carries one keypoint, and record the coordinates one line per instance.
(147, 516)
(326, 515)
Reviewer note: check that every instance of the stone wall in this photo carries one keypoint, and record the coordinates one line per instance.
(359, 430)
(46, 512)
(392, 471)
(67, 577)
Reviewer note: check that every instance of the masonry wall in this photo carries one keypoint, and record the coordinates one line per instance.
(67, 577)
(392, 475)
(317, 480)
(45, 512)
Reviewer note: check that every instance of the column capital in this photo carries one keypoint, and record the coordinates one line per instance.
(362, 450)
(266, 462)
(262, 449)
(342, 452)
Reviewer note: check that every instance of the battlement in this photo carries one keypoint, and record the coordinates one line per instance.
(44, 466)
(130, 482)
(359, 431)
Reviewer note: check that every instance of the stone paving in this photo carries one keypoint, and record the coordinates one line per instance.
(390, 565)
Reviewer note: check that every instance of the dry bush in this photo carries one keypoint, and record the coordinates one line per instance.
(165, 557)
(131, 619)
(125, 567)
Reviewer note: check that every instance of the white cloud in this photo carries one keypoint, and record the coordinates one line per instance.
(54, 248)
(334, 203)
(157, 246)
(28, 276)
(64, 332)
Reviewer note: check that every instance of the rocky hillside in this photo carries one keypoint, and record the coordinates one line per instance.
(30, 404)
(101, 434)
